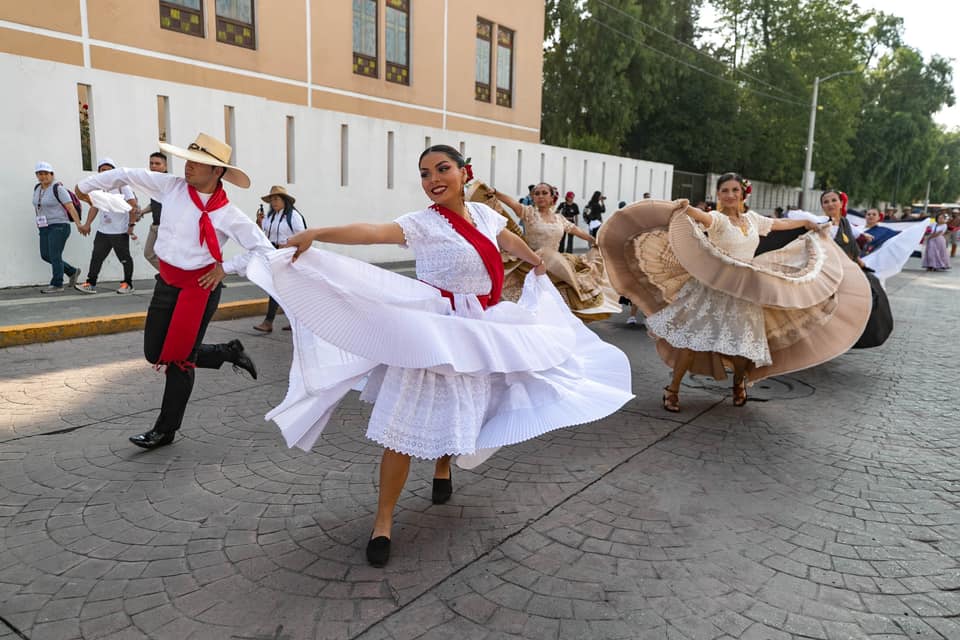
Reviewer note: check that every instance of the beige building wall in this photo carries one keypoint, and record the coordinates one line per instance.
(304, 55)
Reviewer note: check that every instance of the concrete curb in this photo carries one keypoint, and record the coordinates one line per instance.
(21, 334)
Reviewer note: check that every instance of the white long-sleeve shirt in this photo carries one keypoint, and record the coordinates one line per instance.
(276, 228)
(178, 236)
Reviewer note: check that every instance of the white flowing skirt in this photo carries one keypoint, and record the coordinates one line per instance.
(443, 382)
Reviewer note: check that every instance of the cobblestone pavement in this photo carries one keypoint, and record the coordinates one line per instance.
(826, 508)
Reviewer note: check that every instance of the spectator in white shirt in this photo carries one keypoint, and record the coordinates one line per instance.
(113, 234)
(280, 223)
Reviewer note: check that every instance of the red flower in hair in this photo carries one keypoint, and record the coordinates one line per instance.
(469, 168)
(747, 189)
(843, 203)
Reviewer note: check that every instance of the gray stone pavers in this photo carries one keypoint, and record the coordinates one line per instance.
(826, 508)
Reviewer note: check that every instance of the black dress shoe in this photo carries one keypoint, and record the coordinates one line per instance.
(442, 489)
(240, 359)
(378, 551)
(152, 439)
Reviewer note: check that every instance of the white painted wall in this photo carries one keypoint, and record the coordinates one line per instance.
(40, 122)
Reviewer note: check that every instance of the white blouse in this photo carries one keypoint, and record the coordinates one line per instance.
(178, 236)
(444, 258)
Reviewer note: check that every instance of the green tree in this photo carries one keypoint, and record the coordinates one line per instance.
(588, 50)
(899, 147)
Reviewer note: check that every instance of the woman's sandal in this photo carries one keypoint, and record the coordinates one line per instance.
(671, 400)
(739, 392)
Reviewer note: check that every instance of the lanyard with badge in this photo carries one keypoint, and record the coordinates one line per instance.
(41, 219)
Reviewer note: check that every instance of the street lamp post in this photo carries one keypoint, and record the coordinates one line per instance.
(810, 129)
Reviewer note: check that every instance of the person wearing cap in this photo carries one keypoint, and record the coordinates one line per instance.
(282, 222)
(113, 234)
(54, 212)
(571, 211)
(197, 220)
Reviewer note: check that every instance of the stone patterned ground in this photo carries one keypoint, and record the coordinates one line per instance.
(826, 508)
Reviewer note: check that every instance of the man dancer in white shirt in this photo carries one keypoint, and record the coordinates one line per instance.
(113, 234)
(197, 220)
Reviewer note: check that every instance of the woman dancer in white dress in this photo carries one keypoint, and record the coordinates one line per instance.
(451, 371)
(702, 319)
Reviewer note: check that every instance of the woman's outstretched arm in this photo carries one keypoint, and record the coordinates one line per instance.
(357, 233)
(515, 246)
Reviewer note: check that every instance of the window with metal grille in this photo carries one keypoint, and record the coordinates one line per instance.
(235, 23)
(182, 16)
(484, 46)
(365, 38)
(398, 41)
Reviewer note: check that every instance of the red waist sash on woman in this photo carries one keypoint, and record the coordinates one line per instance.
(488, 251)
(187, 314)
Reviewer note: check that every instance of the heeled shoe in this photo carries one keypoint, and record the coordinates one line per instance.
(378, 551)
(739, 392)
(671, 400)
(442, 489)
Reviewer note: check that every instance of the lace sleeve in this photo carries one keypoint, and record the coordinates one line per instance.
(716, 220)
(568, 226)
(763, 223)
(527, 212)
(413, 231)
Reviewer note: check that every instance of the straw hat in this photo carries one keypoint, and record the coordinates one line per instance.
(208, 150)
(277, 190)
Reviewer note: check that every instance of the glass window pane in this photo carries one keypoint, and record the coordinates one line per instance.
(396, 36)
(238, 10)
(189, 4)
(365, 27)
(483, 61)
(503, 66)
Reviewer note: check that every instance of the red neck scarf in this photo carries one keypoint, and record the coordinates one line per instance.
(488, 251)
(207, 233)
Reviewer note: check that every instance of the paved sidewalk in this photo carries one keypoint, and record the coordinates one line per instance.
(825, 508)
(28, 316)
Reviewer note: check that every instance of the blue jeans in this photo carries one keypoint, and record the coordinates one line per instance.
(52, 240)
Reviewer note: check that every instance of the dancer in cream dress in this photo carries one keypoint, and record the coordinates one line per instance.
(580, 279)
(713, 306)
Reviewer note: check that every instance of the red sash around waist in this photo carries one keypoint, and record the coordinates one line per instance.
(488, 251)
(187, 314)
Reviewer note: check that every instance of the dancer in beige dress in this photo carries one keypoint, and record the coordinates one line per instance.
(580, 279)
(712, 306)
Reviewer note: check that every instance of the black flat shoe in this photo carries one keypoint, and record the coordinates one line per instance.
(378, 551)
(240, 359)
(442, 489)
(152, 439)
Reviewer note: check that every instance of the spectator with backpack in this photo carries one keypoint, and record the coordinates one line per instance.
(113, 234)
(282, 222)
(55, 208)
(593, 212)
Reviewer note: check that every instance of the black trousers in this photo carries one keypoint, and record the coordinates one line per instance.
(567, 240)
(179, 383)
(103, 243)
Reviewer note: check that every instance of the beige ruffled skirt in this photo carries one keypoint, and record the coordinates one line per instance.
(784, 310)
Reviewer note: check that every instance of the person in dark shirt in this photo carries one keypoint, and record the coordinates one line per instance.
(569, 210)
(158, 162)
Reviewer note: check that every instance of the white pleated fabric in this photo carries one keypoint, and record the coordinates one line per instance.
(461, 382)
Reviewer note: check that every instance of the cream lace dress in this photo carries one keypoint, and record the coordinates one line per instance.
(580, 279)
(705, 319)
